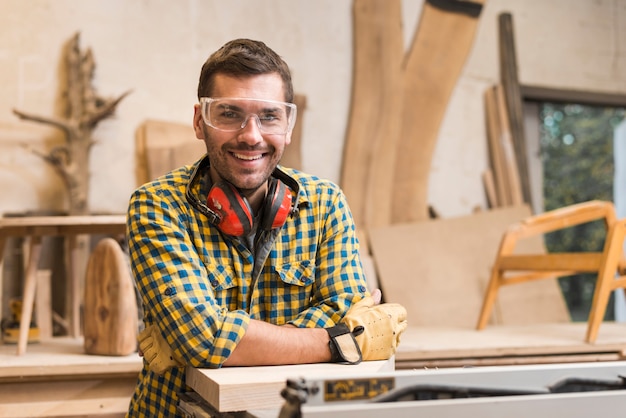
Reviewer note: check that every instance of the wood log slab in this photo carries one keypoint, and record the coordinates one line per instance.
(374, 124)
(111, 320)
(436, 58)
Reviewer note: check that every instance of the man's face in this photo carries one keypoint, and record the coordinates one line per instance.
(247, 157)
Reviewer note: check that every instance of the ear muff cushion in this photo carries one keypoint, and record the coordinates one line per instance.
(277, 206)
(234, 210)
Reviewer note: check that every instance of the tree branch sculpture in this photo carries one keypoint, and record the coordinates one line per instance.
(85, 109)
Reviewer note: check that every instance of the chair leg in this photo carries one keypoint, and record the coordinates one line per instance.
(490, 298)
(605, 283)
(30, 286)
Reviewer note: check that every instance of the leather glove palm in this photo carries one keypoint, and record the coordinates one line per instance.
(381, 326)
(156, 351)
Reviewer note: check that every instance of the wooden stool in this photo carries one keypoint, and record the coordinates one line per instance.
(526, 267)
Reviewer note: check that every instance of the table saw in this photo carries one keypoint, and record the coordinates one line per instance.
(546, 390)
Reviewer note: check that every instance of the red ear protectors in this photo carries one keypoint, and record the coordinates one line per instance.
(234, 212)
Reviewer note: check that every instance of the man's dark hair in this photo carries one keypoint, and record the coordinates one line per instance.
(244, 58)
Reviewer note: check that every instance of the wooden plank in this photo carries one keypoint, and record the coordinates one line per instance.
(245, 388)
(496, 152)
(577, 262)
(67, 398)
(510, 341)
(439, 271)
(292, 157)
(62, 225)
(509, 151)
(62, 357)
(437, 56)
(513, 98)
(373, 126)
(162, 146)
(43, 304)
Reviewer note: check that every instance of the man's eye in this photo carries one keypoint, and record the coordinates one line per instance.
(269, 117)
(229, 114)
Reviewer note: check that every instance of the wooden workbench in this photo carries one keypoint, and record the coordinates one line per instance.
(33, 228)
(55, 378)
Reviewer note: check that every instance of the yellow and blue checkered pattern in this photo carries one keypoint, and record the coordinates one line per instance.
(195, 282)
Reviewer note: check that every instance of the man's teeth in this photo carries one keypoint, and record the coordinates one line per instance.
(247, 157)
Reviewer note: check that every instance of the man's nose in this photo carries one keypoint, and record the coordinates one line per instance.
(251, 129)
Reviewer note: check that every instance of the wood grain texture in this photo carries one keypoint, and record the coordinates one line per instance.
(513, 99)
(292, 157)
(110, 318)
(439, 271)
(162, 146)
(507, 344)
(436, 58)
(245, 388)
(373, 127)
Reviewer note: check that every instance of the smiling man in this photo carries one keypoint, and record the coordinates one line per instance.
(242, 262)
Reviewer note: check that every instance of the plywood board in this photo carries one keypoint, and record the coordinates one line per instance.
(439, 271)
(246, 388)
(162, 146)
(292, 157)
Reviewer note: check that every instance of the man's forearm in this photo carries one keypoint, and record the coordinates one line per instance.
(268, 344)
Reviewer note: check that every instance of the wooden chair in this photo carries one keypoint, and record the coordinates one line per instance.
(609, 264)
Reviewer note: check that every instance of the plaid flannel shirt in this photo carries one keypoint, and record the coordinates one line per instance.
(195, 282)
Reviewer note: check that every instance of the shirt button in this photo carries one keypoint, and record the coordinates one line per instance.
(362, 289)
(214, 283)
(168, 291)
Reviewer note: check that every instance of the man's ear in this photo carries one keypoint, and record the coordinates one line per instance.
(198, 122)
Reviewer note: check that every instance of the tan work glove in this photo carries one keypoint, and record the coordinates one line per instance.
(382, 326)
(156, 351)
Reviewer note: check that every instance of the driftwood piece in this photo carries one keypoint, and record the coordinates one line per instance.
(85, 109)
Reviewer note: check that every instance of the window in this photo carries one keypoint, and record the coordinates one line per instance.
(571, 160)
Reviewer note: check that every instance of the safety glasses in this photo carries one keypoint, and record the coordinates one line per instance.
(230, 114)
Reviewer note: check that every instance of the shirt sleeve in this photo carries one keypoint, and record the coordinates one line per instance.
(174, 284)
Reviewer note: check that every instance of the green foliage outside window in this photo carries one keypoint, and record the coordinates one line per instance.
(577, 153)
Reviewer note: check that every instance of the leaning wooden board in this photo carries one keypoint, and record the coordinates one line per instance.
(439, 271)
(245, 388)
(443, 40)
(373, 128)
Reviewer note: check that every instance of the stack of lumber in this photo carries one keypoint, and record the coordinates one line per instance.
(507, 180)
(502, 180)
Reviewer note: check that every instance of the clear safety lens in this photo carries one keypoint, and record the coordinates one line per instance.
(231, 114)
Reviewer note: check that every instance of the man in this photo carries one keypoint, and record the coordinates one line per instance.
(240, 262)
